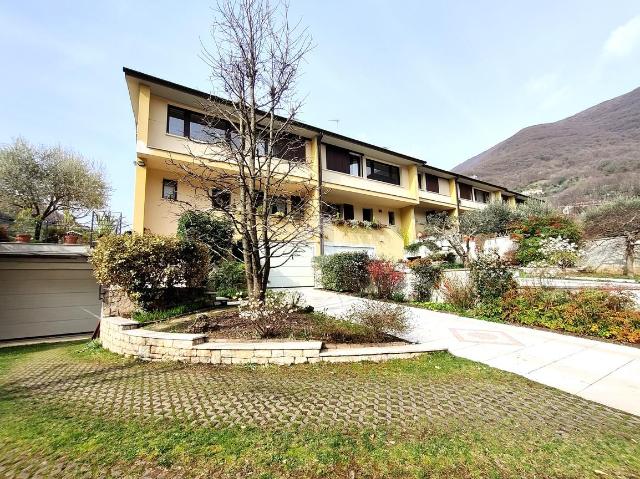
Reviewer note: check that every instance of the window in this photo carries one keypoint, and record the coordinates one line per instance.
(176, 121)
(383, 172)
(169, 189)
(291, 148)
(343, 161)
(220, 199)
(297, 207)
(466, 191)
(482, 196)
(367, 214)
(279, 205)
(392, 218)
(193, 125)
(347, 212)
(432, 183)
(420, 181)
(505, 198)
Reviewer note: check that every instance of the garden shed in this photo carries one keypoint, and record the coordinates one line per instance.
(46, 290)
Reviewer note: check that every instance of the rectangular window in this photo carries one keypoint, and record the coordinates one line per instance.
(176, 121)
(297, 207)
(383, 172)
(482, 196)
(348, 213)
(278, 205)
(392, 218)
(505, 198)
(367, 214)
(466, 191)
(169, 189)
(432, 183)
(291, 148)
(420, 181)
(343, 161)
(220, 199)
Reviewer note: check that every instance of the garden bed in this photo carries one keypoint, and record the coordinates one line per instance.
(228, 325)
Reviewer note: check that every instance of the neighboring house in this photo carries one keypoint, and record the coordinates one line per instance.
(357, 180)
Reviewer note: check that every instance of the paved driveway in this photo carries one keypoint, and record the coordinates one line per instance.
(602, 372)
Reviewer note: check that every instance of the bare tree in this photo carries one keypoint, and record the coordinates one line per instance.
(251, 165)
(620, 217)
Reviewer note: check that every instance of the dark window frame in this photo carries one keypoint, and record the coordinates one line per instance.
(340, 160)
(174, 183)
(392, 218)
(464, 186)
(432, 183)
(372, 175)
(220, 198)
(348, 212)
(363, 214)
(485, 195)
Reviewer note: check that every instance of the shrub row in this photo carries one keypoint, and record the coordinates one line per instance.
(600, 313)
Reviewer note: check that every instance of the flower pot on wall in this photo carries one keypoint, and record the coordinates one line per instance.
(71, 239)
(23, 238)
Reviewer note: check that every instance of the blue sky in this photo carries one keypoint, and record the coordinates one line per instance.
(439, 80)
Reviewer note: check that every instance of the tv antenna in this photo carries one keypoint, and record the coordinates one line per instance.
(337, 123)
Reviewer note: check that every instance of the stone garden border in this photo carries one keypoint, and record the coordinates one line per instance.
(124, 336)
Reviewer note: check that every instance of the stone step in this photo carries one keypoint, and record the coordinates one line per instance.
(379, 350)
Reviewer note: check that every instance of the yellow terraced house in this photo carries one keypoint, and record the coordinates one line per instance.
(355, 180)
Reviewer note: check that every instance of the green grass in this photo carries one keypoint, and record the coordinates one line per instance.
(59, 433)
(161, 315)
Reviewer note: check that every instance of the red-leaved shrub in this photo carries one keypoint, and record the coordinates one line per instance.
(385, 278)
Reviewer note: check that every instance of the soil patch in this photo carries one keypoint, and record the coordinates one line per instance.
(227, 324)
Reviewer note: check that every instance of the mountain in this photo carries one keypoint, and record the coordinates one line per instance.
(584, 158)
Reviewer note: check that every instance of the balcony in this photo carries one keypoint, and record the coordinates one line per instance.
(367, 187)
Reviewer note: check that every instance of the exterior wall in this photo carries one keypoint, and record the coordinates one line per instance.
(607, 256)
(155, 147)
(387, 241)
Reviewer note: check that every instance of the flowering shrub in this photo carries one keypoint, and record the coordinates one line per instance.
(558, 252)
(427, 277)
(490, 277)
(529, 232)
(600, 313)
(346, 271)
(386, 279)
(381, 318)
(270, 315)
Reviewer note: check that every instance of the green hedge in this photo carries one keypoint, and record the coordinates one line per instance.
(150, 268)
(346, 271)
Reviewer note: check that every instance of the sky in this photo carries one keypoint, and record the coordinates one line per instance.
(439, 80)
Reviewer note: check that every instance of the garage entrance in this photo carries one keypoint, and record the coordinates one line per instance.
(46, 290)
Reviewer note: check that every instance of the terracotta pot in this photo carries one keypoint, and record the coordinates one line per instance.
(23, 238)
(71, 239)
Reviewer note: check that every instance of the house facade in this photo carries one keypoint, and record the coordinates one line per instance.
(356, 181)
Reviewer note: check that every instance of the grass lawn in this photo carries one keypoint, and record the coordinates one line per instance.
(72, 410)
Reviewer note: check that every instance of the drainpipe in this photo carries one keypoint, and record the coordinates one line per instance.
(319, 163)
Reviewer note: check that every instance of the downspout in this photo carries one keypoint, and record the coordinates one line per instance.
(319, 166)
(455, 185)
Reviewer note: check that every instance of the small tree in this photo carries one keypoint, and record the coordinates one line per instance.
(216, 233)
(443, 229)
(46, 180)
(620, 217)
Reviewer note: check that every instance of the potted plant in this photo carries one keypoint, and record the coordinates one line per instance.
(23, 225)
(71, 237)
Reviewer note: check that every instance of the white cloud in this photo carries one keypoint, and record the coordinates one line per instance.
(623, 40)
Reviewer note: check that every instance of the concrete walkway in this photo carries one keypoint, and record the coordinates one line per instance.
(602, 372)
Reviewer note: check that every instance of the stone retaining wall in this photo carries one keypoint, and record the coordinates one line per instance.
(124, 336)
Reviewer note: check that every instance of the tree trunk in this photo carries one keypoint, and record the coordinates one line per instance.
(37, 229)
(629, 254)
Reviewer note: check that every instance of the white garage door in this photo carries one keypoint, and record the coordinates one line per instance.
(334, 248)
(46, 297)
(294, 270)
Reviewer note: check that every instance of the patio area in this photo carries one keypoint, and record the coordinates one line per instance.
(68, 410)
